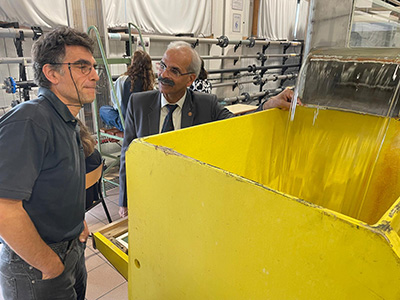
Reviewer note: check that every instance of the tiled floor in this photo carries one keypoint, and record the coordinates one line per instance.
(104, 282)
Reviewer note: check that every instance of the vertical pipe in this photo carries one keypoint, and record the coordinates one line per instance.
(223, 33)
(67, 11)
(84, 16)
(130, 38)
(310, 28)
(350, 24)
(296, 23)
(104, 58)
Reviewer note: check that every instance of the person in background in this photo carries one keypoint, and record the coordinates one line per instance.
(42, 175)
(93, 159)
(175, 106)
(139, 77)
(201, 84)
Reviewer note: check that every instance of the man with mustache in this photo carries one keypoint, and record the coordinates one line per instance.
(174, 106)
(42, 175)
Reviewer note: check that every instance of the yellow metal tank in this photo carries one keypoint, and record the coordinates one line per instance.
(204, 224)
(276, 205)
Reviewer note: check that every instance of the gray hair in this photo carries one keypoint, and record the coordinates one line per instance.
(195, 64)
(50, 48)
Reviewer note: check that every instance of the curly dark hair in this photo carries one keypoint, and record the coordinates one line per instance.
(203, 73)
(141, 67)
(50, 48)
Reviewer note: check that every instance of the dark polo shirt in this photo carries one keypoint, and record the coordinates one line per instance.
(42, 163)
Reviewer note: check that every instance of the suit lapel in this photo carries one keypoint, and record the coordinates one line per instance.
(154, 115)
(188, 111)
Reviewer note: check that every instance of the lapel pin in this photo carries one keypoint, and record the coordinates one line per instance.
(189, 113)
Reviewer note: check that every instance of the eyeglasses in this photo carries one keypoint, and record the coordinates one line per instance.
(85, 68)
(175, 72)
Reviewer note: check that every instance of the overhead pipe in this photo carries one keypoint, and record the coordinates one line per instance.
(125, 37)
(258, 56)
(15, 60)
(210, 57)
(246, 97)
(261, 56)
(16, 33)
(238, 76)
(256, 81)
(222, 41)
(11, 85)
(21, 33)
(232, 83)
(252, 68)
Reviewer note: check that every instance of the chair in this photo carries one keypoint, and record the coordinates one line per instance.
(107, 135)
(92, 178)
(112, 135)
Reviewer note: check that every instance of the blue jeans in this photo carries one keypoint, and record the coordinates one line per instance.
(110, 116)
(21, 281)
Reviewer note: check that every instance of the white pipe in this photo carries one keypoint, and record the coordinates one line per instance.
(192, 40)
(210, 57)
(268, 78)
(15, 60)
(255, 95)
(16, 33)
(296, 23)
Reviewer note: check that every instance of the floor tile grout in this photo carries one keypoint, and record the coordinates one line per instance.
(111, 290)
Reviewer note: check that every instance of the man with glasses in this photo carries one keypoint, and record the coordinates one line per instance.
(42, 175)
(174, 106)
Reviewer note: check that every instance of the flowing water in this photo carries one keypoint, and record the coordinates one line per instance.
(330, 152)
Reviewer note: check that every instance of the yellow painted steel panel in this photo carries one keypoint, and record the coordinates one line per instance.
(112, 253)
(204, 224)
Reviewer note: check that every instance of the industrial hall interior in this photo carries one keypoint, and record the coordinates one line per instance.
(203, 149)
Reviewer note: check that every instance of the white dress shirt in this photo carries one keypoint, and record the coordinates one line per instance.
(176, 115)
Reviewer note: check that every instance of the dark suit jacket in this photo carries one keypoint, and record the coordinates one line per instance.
(143, 119)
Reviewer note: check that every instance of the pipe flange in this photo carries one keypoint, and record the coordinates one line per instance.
(252, 42)
(252, 68)
(247, 97)
(257, 80)
(223, 41)
(261, 56)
